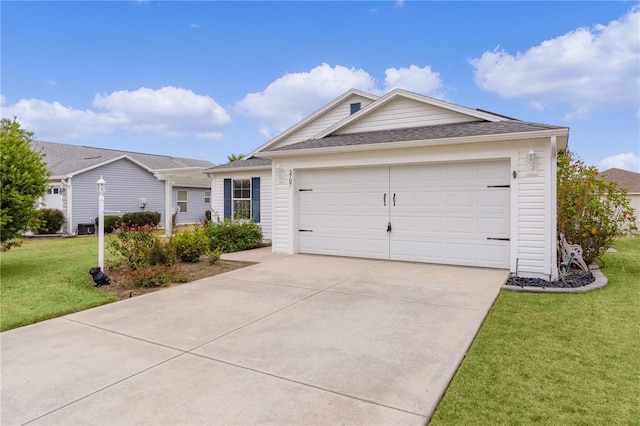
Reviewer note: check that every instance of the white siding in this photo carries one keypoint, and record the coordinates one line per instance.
(282, 213)
(404, 113)
(126, 184)
(326, 120)
(533, 212)
(217, 196)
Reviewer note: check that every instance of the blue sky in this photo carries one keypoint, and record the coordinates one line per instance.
(208, 79)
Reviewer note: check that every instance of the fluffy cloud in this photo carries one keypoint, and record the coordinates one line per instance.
(414, 79)
(168, 111)
(628, 161)
(293, 96)
(588, 70)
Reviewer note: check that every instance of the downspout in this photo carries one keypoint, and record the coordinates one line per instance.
(554, 207)
(69, 208)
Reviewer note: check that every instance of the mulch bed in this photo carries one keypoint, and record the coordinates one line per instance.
(184, 271)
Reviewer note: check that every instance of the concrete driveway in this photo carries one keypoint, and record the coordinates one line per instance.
(293, 340)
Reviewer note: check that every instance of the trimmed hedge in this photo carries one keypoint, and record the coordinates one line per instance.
(234, 235)
(141, 218)
(110, 223)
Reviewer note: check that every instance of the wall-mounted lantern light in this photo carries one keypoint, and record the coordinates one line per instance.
(531, 156)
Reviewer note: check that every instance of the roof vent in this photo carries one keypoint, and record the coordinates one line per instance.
(355, 107)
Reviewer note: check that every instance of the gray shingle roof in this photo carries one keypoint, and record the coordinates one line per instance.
(244, 163)
(625, 179)
(63, 159)
(442, 131)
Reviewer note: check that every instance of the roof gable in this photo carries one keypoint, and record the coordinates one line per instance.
(402, 109)
(69, 160)
(319, 120)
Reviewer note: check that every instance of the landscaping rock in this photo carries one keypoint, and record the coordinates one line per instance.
(572, 280)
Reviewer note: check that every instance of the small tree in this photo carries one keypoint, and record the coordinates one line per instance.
(591, 212)
(23, 179)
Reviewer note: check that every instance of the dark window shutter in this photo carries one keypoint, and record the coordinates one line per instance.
(227, 198)
(255, 199)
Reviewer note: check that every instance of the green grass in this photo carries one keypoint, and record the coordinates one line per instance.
(45, 279)
(570, 359)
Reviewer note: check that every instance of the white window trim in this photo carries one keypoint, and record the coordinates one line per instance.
(185, 201)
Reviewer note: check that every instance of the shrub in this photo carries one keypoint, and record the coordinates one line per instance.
(50, 221)
(110, 223)
(162, 253)
(134, 244)
(234, 235)
(215, 256)
(141, 218)
(151, 276)
(190, 246)
(591, 212)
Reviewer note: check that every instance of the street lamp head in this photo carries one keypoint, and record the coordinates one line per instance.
(101, 185)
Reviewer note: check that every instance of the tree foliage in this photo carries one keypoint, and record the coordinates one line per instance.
(591, 212)
(235, 157)
(23, 179)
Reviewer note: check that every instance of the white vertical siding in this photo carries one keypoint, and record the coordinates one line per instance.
(217, 196)
(126, 184)
(534, 211)
(403, 113)
(326, 120)
(282, 213)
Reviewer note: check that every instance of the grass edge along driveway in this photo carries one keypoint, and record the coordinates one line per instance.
(555, 358)
(48, 278)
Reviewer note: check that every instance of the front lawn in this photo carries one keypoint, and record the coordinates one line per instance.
(556, 358)
(44, 279)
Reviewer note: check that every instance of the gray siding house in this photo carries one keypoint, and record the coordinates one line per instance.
(134, 182)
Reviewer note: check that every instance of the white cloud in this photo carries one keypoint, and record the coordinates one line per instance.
(293, 96)
(414, 79)
(52, 120)
(587, 70)
(194, 26)
(628, 161)
(167, 112)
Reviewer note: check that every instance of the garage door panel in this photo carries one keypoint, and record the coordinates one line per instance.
(443, 213)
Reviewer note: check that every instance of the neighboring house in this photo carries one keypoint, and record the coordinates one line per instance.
(404, 177)
(628, 180)
(134, 182)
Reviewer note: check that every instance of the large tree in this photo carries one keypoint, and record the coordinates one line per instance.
(23, 179)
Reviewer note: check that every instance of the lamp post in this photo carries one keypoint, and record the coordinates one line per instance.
(101, 188)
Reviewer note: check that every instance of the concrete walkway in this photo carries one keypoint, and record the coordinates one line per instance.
(292, 340)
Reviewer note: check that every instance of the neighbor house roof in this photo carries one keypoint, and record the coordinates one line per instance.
(625, 179)
(251, 163)
(64, 159)
(424, 133)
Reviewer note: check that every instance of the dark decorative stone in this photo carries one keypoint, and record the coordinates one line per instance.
(571, 280)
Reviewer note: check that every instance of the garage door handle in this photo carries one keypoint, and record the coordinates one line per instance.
(384, 199)
(498, 239)
(394, 199)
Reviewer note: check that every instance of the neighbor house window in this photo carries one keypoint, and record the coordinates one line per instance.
(241, 198)
(53, 190)
(207, 197)
(182, 201)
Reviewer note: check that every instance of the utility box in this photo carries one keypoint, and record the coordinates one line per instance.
(86, 228)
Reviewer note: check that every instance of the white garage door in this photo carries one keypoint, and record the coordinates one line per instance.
(455, 213)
